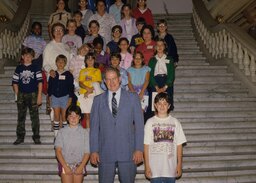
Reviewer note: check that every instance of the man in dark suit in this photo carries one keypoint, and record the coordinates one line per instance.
(117, 131)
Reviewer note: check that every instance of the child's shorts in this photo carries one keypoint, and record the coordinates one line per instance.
(59, 102)
(73, 168)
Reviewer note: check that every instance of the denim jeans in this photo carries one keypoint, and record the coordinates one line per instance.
(163, 180)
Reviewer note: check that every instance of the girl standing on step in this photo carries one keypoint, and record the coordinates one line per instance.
(163, 140)
(138, 77)
(72, 148)
(142, 11)
(89, 82)
(128, 23)
(126, 60)
(171, 45)
(162, 72)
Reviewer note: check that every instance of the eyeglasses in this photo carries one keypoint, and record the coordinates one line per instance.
(58, 30)
(161, 25)
(116, 31)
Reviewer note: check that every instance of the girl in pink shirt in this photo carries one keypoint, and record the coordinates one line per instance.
(126, 60)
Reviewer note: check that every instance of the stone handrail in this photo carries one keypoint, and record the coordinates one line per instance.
(13, 33)
(225, 40)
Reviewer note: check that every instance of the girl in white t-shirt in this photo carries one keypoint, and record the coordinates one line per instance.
(163, 139)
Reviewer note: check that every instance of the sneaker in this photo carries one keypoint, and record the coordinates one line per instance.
(18, 141)
(37, 141)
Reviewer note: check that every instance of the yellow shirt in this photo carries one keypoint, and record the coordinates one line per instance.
(95, 75)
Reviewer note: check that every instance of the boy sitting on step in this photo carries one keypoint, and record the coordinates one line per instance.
(163, 139)
(27, 85)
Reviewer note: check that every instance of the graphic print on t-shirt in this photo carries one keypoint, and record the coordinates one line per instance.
(163, 133)
(26, 76)
(163, 137)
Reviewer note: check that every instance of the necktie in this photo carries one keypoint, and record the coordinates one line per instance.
(114, 105)
(60, 15)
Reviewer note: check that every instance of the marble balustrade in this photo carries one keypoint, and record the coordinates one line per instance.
(10, 41)
(226, 41)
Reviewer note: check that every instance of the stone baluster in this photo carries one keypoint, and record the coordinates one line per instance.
(234, 51)
(1, 47)
(210, 43)
(240, 56)
(230, 49)
(252, 68)
(205, 35)
(8, 35)
(207, 40)
(246, 62)
(12, 45)
(220, 44)
(216, 45)
(213, 46)
(225, 43)
(4, 43)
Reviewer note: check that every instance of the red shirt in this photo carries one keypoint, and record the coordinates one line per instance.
(147, 15)
(147, 50)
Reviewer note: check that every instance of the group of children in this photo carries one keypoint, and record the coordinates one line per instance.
(84, 79)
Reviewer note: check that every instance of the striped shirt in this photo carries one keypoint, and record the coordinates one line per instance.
(27, 77)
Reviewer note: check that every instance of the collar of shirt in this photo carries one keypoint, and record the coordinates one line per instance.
(162, 59)
(117, 96)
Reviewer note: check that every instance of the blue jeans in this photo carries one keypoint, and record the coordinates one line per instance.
(163, 180)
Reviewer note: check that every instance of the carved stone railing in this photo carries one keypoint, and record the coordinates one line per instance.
(225, 40)
(13, 33)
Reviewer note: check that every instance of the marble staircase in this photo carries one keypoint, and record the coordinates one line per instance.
(217, 112)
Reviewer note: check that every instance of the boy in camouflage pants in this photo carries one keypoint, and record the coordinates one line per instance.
(27, 85)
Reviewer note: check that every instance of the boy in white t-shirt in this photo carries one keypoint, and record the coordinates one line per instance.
(163, 141)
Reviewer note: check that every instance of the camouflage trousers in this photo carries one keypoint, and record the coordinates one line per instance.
(24, 101)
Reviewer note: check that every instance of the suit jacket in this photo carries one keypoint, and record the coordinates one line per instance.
(115, 139)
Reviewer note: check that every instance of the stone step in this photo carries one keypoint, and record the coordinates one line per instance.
(218, 144)
(218, 150)
(192, 63)
(218, 125)
(215, 114)
(45, 125)
(48, 138)
(221, 176)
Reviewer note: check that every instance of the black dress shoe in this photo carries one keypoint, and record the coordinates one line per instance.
(18, 141)
(37, 141)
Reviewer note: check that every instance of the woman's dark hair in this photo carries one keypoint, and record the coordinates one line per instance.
(34, 24)
(141, 55)
(122, 9)
(163, 96)
(150, 28)
(73, 108)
